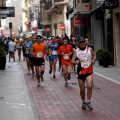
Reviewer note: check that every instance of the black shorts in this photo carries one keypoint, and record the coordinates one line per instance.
(39, 61)
(31, 59)
(83, 76)
(27, 55)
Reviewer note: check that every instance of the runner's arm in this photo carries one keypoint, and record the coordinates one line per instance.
(93, 56)
(74, 61)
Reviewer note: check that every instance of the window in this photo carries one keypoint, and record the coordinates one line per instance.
(74, 4)
(85, 1)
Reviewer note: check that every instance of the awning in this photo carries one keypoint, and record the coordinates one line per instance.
(7, 34)
(61, 3)
(96, 8)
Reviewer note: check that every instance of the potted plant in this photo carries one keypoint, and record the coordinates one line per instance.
(105, 56)
(98, 56)
(2, 58)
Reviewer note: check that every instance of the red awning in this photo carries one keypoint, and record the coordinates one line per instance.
(8, 33)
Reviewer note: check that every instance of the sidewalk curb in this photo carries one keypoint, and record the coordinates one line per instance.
(107, 78)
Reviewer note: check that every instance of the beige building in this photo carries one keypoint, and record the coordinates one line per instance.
(53, 14)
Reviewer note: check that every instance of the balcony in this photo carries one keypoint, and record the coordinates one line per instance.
(58, 1)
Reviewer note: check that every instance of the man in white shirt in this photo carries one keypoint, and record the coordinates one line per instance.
(11, 49)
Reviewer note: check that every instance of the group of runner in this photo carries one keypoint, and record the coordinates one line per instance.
(69, 54)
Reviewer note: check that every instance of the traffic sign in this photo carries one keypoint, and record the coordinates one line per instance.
(47, 29)
(62, 27)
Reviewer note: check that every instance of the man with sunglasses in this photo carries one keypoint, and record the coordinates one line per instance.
(39, 50)
(66, 51)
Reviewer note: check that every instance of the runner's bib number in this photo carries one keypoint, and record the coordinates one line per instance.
(39, 54)
(85, 63)
(54, 52)
(27, 51)
(66, 56)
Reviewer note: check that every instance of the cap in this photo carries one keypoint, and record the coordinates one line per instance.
(39, 36)
(81, 39)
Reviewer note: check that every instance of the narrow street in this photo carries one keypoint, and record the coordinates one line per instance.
(56, 102)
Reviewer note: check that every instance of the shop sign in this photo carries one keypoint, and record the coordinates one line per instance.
(82, 21)
(111, 4)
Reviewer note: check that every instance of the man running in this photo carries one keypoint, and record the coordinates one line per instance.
(52, 56)
(39, 50)
(66, 51)
(85, 60)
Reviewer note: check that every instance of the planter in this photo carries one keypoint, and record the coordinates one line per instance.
(2, 64)
(105, 62)
(100, 62)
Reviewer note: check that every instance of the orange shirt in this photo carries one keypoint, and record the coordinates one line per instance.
(39, 50)
(66, 59)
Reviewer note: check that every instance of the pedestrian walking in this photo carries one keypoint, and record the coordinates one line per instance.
(11, 49)
(84, 57)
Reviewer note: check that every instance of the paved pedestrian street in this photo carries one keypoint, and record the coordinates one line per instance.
(56, 102)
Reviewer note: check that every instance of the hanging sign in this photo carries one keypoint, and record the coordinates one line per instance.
(111, 4)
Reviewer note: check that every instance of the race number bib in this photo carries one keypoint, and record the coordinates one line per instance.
(54, 52)
(39, 54)
(66, 56)
(85, 63)
(27, 51)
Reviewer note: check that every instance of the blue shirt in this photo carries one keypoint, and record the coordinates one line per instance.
(29, 44)
(53, 46)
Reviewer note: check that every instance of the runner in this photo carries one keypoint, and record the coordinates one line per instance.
(39, 50)
(60, 43)
(31, 57)
(27, 52)
(52, 56)
(87, 43)
(66, 51)
(85, 60)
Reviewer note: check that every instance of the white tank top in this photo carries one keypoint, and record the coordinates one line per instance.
(84, 56)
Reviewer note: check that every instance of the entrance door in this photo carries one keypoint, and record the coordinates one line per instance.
(110, 39)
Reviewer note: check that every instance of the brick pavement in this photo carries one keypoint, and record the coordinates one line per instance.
(56, 102)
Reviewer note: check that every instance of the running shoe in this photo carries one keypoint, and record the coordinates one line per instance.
(28, 72)
(69, 77)
(50, 71)
(84, 106)
(42, 80)
(54, 76)
(66, 84)
(89, 106)
(59, 68)
(38, 84)
(33, 75)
